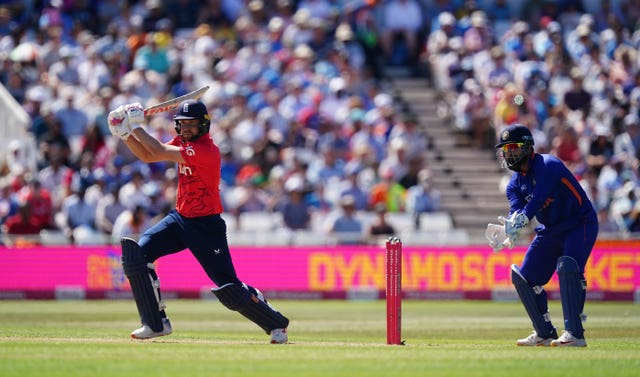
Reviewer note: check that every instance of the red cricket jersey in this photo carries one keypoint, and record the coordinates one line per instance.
(198, 178)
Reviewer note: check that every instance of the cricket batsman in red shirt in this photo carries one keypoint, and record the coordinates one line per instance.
(195, 224)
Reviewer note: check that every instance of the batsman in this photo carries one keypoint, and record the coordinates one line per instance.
(543, 187)
(195, 223)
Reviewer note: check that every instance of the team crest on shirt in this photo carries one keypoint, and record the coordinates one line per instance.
(505, 135)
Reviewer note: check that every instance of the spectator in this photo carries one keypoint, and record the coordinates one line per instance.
(402, 20)
(93, 72)
(74, 121)
(438, 40)
(247, 195)
(577, 98)
(365, 27)
(321, 9)
(612, 177)
(53, 145)
(101, 111)
(78, 217)
(55, 177)
(379, 226)
(625, 208)
(326, 169)
(151, 55)
(473, 114)
(423, 197)
(39, 202)
(295, 211)
(8, 201)
(64, 72)
(499, 75)
(21, 223)
(396, 162)
(344, 225)
(479, 37)
(108, 208)
(37, 109)
(407, 130)
(388, 192)
(601, 148)
(131, 194)
(506, 111)
(345, 42)
(566, 147)
(130, 223)
(350, 186)
(627, 143)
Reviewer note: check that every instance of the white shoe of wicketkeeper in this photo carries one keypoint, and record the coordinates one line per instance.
(568, 340)
(534, 340)
(279, 336)
(145, 331)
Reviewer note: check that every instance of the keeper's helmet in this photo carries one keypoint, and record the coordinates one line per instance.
(515, 146)
(193, 109)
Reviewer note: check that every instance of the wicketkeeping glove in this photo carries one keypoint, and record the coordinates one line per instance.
(515, 223)
(118, 123)
(498, 238)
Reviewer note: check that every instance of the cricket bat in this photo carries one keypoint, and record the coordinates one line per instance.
(173, 103)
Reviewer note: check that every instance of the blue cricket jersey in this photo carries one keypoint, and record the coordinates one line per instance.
(550, 192)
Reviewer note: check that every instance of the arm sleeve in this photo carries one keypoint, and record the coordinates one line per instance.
(546, 176)
(516, 202)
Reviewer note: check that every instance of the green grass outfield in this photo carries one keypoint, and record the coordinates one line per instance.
(327, 338)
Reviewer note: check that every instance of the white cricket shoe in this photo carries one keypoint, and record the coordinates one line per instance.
(279, 336)
(145, 332)
(568, 340)
(534, 340)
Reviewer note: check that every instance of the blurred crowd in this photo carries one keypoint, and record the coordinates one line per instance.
(568, 70)
(300, 109)
(301, 106)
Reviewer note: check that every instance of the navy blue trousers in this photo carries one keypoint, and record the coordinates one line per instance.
(549, 244)
(205, 237)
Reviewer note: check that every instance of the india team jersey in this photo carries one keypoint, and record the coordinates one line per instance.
(549, 191)
(198, 178)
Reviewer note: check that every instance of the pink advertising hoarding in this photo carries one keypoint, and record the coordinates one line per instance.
(613, 271)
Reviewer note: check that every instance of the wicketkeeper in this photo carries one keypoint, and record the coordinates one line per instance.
(194, 224)
(543, 187)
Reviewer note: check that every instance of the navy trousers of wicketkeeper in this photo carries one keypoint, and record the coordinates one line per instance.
(551, 243)
(205, 237)
(564, 248)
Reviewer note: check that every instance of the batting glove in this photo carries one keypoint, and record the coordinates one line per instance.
(118, 123)
(135, 114)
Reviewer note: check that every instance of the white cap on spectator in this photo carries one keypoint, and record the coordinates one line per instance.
(38, 94)
(631, 120)
(276, 24)
(294, 183)
(455, 43)
(344, 32)
(478, 19)
(553, 27)
(521, 27)
(303, 51)
(446, 18)
(583, 30)
(602, 130)
(301, 17)
(586, 19)
(382, 100)
(336, 84)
